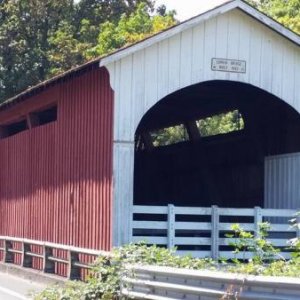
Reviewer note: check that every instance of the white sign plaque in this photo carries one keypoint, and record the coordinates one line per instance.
(228, 65)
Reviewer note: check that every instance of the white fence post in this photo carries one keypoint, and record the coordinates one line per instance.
(258, 218)
(298, 224)
(215, 232)
(171, 226)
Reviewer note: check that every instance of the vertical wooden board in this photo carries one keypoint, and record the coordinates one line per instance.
(126, 105)
(209, 48)
(233, 41)
(123, 191)
(255, 56)
(198, 54)
(288, 80)
(174, 63)
(138, 86)
(266, 61)
(277, 67)
(297, 80)
(222, 42)
(186, 58)
(244, 46)
(163, 69)
(117, 108)
(151, 76)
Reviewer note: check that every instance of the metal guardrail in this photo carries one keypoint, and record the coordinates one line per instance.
(49, 260)
(161, 283)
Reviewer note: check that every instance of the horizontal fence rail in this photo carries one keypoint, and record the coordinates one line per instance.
(73, 262)
(203, 231)
(161, 283)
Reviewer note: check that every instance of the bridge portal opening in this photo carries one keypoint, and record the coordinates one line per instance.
(206, 145)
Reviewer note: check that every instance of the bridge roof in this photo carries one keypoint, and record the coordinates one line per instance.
(123, 52)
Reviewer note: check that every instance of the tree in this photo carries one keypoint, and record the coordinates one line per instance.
(65, 50)
(286, 12)
(41, 38)
(130, 29)
(25, 27)
(96, 12)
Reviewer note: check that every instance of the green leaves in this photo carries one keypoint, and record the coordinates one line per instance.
(130, 29)
(285, 12)
(41, 38)
(104, 281)
(244, 241)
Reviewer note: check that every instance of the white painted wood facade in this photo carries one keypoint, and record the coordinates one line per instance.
(144, 74)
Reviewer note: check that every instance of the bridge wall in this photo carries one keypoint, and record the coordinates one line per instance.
(56, 179)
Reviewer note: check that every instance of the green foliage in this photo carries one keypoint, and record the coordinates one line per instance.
(220, 124)
(261, 249)
(295, 243)
(105, 280)
(41, 38)
(71, 52)
(25, 26)
(130, 29)
(169, 136)
(285, 12)
(242, 241)
(213, 125)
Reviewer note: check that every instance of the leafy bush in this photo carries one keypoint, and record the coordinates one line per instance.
(104, 283)
(295, 243)
(245, 241)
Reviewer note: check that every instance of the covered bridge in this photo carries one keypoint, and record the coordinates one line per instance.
(201, 116)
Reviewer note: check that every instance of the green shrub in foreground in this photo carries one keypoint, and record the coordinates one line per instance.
(105, 280)
(104, 283)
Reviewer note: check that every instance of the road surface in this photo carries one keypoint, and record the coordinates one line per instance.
(16, 288)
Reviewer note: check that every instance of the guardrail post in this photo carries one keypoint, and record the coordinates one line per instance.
(48, 265)
(8, 256)
(171, 226)
(215, 232)
(73, 270)
(258, 218)
(26, 259)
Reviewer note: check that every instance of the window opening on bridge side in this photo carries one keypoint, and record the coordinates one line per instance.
(169, 135)
(43, 117)
(13, 128)
(219, 124)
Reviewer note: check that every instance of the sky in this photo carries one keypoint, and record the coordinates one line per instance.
(189, 8)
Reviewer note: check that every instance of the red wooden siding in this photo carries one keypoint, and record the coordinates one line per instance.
(56, 179)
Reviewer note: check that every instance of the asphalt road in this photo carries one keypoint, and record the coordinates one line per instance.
(15, 288)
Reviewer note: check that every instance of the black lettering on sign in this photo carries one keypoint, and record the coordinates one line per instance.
(228, 65)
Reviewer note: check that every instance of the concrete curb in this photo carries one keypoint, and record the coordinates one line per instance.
(32, 275)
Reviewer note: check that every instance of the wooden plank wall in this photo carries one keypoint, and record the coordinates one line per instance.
(56, 179)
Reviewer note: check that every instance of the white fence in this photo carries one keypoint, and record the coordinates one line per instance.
(201, 231)
(161, 283)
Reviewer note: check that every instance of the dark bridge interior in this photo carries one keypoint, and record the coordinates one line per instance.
(205, 163)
